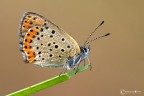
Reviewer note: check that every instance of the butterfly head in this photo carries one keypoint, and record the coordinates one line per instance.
(84, 51)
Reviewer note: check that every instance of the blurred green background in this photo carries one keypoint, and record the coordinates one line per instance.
(117, 60)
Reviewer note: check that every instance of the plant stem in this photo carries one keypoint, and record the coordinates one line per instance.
(47, 83)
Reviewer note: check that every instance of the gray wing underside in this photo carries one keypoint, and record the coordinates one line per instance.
(51, 49)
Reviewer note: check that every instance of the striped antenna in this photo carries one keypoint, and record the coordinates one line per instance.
(86, 42)
(97, 38)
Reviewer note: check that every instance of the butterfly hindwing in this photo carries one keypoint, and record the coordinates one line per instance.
(44, 43)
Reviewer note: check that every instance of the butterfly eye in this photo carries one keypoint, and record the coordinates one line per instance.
(85, 49)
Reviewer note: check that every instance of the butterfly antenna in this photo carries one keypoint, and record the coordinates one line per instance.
(98, 38)
(93, 32)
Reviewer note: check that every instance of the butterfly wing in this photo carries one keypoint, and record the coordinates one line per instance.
(44, 43)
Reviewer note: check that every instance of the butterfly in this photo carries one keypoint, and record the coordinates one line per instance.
(45, 44)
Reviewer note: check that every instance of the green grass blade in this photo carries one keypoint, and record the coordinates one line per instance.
(47, 83)
(78, 70)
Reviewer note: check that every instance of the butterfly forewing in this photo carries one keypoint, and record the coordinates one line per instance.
(44, 43)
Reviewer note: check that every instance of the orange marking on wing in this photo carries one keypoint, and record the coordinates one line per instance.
(34, 32)
(29, 21)
(30, 35)
(25, 26)
(40, 21)
(26, 47)
(26, 50)
(31, 59)
(30, 53)
(25, 43)
(28, 39)
(31, 56)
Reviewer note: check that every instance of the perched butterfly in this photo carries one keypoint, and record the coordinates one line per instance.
(44, 43)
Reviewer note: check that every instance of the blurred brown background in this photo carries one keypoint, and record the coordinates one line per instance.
(117, 60)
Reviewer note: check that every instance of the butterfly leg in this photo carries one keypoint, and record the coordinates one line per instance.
(63, 71)
(89, 63)
(75, 65)
(84, 62)
(77, 69)
(65, 68)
